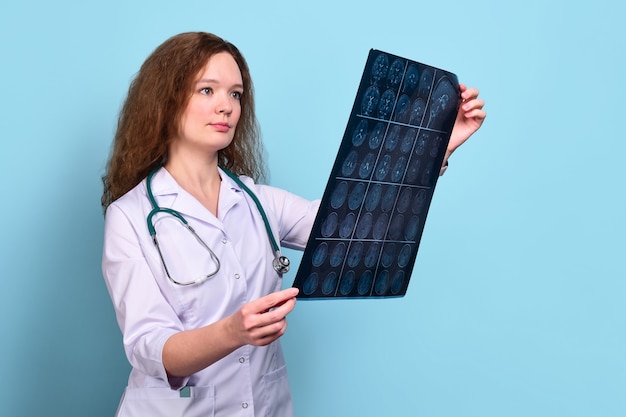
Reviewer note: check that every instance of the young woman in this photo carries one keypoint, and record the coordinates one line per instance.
(200, 308)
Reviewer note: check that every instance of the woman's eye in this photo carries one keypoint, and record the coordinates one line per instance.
(237, 95)
(206, 90)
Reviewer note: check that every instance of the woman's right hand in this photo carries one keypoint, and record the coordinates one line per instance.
(262, 321)
(258, 323)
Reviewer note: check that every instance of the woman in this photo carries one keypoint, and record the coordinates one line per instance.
(202, 334)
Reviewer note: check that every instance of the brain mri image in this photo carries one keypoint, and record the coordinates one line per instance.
(404, 257)
(392, 138)
(418, 109)
(399, 169)
(320, 254)
(360, 133)
(444, 98)
(404, 201)
(371, 256)
(356, 196)
(355, 255)
(330, 283)
(347, 283)
(413, 171)
(419, 201)
(330, 225)
(396, 72)
(365, 239)
(367, 166)
(365, 283)
(425, 83)
(403, 109)
(347, 226)
(411, 79)
(397, 282)
(311, 284)
(389, 255)
(366, 221)
(408, 140)
(383, 167)
(349, 164)
(386, 104)
(389, 198)
(339, 195)
(382, 282)
(337, 255)
(380, 68)
(380, 227)
(372, 199)
(411, 229)
(422, 141)
(370, 100)
(377, 136)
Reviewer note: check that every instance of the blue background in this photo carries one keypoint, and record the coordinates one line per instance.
(516, 305)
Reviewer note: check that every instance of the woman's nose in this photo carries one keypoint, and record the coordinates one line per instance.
(224, 105)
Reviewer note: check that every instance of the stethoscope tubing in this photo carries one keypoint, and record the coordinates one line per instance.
(280, 263)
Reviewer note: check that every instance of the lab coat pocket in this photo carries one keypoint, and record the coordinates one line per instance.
(276, 394)
(155, 402)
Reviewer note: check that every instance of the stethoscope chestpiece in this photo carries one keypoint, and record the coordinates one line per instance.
(281, 264)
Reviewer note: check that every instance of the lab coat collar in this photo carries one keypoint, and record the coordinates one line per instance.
(168, 193)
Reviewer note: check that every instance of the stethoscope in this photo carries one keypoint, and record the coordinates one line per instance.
(280, 262)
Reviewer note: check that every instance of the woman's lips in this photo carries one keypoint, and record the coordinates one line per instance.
(221, 127)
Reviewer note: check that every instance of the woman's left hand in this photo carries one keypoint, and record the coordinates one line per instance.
(469, 118)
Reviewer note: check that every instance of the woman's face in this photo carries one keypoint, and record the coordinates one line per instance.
(209, 121)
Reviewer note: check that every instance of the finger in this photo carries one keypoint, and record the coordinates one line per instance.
(286, 307)
(271, 324)
(273, 300)
(469, 94)
(473, 104)
(278, 313)
(268, 334)
(476, 114)
(256, 327)
(254, 319)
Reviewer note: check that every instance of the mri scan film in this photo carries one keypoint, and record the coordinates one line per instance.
(367, 232)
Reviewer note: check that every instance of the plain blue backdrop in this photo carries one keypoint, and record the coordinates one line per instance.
(516, 305)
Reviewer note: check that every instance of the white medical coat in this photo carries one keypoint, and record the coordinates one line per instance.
(251, 381)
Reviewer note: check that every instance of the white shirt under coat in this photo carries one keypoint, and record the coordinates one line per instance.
(251, 381)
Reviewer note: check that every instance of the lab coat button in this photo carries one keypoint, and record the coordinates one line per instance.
(224, 241)
(237, 276)
(244, 405)
(242, 359)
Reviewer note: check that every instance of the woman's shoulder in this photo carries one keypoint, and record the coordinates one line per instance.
(131, 200)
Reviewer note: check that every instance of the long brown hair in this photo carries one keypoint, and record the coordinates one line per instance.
(156, 100)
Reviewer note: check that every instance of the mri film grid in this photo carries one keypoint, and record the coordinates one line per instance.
(366, 234)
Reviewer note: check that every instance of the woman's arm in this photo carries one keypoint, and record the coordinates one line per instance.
(257, 323)
(155, 339)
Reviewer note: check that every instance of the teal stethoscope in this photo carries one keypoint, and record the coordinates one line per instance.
(280, 262)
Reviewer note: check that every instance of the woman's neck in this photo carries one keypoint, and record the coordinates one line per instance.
(201, 179)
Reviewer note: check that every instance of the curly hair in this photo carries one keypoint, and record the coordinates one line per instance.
(157, 98)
